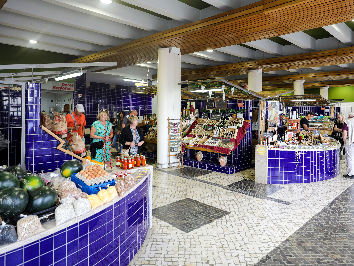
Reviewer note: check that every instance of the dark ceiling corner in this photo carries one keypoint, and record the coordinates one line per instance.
(2, 3)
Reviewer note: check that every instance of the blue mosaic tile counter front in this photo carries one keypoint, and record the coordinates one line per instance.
(111, 235)
(301, 166)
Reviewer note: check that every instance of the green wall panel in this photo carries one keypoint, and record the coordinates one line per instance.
(346, 93)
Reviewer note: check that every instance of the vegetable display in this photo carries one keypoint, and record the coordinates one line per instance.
(8, 180)
(70, 167)
(31, 182)
(13, 201)
(41, 198)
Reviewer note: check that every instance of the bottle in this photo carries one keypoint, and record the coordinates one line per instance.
(118, 162)
(143, 161)
(137, 160)
(125, 164)
(130, 163)
(134, 160)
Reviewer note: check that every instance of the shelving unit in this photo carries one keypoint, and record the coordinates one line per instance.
(174, 139)
(324, 127)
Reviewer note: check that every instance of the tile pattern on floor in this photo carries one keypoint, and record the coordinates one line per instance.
(327, 239)
(253, 228)
(188, 214)
(187, 171)
(259, 189)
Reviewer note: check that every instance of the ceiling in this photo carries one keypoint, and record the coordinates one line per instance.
(237, 32)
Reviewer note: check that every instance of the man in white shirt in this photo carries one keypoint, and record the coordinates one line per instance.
(348, 139)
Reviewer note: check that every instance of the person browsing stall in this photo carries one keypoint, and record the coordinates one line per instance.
(337, 133)
(76, 121)
(118, 123)
(101, 131)
(125, 119)
(348, 139)
(132, 137)
(304, 122)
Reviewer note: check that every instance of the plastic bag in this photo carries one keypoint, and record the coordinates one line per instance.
(7, 234)
(28, 226)
(69, 189)
(104, 196)
(64, 213)
(47, 122)
(223, 161)
(60, 127)
(112, 192)
(120, 187)
(82, 206)
(67, 200)
(94, 201)
(56, 181)
(77, 144)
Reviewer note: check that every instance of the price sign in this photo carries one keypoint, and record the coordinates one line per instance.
(215, 116)
(226, 141)
(210, 104)
(221, 104)
(205, 115)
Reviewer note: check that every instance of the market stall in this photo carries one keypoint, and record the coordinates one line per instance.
(297, 155)
(90, 223)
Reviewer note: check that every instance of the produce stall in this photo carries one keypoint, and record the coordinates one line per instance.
(78, 214)
(303, 157)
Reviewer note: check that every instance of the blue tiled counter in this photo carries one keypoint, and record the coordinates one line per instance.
(284, 166)
(109, 235)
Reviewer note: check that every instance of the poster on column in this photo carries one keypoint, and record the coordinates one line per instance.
(273, 113)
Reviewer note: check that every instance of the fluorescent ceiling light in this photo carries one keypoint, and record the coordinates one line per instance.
(33, 41)
(303, 100)
(106, 1)
(207, 91)
(148, 62)
(210, 50)
(67, 76)
(135, 80)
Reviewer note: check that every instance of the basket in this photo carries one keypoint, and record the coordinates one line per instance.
(91, 189)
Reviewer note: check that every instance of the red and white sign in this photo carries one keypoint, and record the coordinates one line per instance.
(63, 86)
(58, 86)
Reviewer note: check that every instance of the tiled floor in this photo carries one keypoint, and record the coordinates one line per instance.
(219, 219)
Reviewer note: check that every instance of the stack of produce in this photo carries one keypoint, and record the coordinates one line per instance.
(94, 175)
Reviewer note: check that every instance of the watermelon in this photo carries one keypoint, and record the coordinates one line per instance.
(70, 167)
(13, 201)
(8, 180)
(41, 199)
(31, 182)
(16, 171)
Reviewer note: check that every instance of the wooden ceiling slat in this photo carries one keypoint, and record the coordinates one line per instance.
(263, 19)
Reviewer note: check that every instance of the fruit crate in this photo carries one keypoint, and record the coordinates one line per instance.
(91, 189)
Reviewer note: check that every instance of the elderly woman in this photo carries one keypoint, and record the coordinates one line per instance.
(101, 130)
(132, 136)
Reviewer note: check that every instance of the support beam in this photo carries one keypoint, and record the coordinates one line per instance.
(168, 100)
(237, 50)
(341, 32)
(255, 80)
(65, 16)
(324, 92)
(299, 87)
(2, 3)
(175, 9)
(267, 46)
(301, 40)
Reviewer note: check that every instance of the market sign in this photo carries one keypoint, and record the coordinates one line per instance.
(58, 86)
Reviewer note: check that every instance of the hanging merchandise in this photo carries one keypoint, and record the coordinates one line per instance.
(202, 88)
(232, 91)
(223, 92)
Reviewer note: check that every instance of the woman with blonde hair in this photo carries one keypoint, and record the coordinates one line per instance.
(132, 137)
(101, 131)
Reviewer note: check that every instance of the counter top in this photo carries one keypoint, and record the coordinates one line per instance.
(52, 229)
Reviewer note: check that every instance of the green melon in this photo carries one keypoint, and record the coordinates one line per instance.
(13, 201)
(41, 199)
(16, 171)
(8, 180)
(70, 167)
(31, 182)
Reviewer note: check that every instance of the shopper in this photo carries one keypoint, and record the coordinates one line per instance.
(101, 131)
(304, 122)
(338, 131)
(118, 128)
(125, 119)
(132, 136)
(348, 139)
(76, 121)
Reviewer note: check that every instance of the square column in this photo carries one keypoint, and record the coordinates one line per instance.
(168, 100)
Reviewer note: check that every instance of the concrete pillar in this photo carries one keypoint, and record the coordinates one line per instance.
(255, 80)
(324, 92)
(299, 87)
(168, 99)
